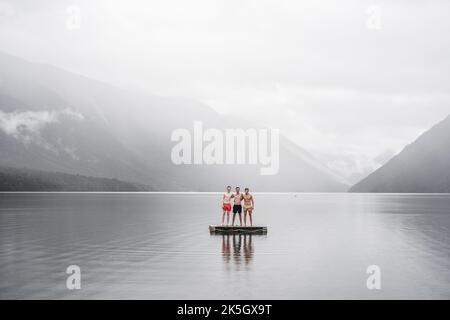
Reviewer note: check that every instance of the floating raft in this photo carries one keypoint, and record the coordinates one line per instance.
(237, 230)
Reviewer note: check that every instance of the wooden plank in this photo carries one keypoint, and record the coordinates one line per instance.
(238, 229)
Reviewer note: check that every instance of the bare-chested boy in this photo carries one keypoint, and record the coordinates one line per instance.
(237, 207)
(249, 205)
(226, 205)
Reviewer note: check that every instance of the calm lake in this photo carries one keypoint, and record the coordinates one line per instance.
(157, 246)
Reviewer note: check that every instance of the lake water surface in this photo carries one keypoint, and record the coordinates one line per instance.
(157, 246)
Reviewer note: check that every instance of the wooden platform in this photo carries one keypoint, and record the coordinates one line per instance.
(237, 230)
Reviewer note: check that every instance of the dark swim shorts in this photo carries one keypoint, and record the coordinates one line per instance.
(237, 208)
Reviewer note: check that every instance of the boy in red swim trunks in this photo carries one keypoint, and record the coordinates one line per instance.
(226, 205)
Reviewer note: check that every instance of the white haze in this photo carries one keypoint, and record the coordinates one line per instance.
(351, 94)
(28, 125)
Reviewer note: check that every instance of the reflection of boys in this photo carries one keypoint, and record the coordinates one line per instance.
(237, 248)
(226, 248)
(248, 248)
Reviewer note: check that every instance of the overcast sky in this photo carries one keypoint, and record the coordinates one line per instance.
(351, 81)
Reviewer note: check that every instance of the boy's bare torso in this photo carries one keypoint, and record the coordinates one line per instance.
(247, 200)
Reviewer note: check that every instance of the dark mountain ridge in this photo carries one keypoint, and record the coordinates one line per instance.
(22, 179)
(422, 167)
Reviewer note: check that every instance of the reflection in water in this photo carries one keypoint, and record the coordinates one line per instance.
(242, 248)
(129, 250)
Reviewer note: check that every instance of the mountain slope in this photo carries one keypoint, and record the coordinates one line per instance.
(20, 179)
(54, 120)
(423, 166)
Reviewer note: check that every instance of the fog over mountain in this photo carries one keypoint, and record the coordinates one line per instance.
(422, 166)
(54, 120)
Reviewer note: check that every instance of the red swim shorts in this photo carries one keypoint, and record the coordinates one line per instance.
(227, 207)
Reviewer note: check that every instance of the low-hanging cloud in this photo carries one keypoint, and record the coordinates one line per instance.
(27, 125)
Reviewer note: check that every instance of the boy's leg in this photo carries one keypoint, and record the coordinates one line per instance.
(235, 210)
(223, 217)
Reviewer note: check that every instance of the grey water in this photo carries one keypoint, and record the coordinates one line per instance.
(157, 246)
